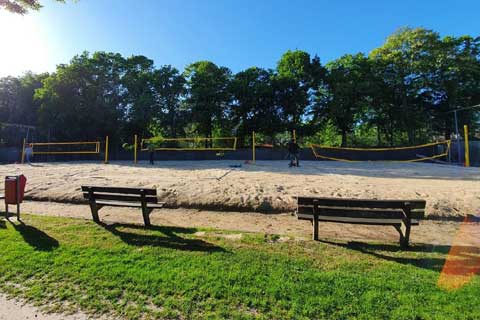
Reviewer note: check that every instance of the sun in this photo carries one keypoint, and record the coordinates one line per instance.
(23, 44)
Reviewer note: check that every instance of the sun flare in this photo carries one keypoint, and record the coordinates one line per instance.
(22, 44)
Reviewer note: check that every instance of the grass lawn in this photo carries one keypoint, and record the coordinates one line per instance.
(167, 272)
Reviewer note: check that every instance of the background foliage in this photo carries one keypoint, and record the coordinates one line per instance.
(399, 94)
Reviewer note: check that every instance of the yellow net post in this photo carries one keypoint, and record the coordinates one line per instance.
(294, 136)
(467, 148)
(106, 149)
(135, 149)
(253, 146)
(23, 151)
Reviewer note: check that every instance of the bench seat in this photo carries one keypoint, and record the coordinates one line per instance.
(401, 214)
(144, 198)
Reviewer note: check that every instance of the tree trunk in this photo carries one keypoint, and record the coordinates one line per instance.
(344, 138)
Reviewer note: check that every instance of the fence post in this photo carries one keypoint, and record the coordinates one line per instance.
(253, 146)
(467, 148)
(106, 149)
(23, 151)
(135, 149)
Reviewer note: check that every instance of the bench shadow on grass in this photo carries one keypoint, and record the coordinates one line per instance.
(166, 237)
(394, 253)
(36, 238)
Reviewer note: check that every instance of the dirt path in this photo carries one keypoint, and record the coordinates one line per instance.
(429, 232)
(11, 309)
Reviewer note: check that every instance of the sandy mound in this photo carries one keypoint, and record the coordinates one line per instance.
(268, 186)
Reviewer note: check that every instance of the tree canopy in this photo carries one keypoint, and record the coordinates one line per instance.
(22, 6)
(398, 94)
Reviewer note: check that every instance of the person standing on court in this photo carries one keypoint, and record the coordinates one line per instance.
(151, 152)
(29, 153)
(293, 153)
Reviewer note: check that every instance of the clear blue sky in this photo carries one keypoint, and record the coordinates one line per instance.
(233, 33)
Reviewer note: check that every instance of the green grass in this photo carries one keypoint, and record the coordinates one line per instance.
(167, 272)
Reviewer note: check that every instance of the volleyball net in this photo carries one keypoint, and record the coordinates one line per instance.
(425, 152)
(189, 144)
(58, 148)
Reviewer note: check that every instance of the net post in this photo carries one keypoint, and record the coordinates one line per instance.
(135, 149)
(467, 148)
(23, 151)
(106, 150)
(253, 146)
(294, 136)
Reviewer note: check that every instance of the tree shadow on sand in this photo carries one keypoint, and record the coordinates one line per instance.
(166, 237)
(391, 252)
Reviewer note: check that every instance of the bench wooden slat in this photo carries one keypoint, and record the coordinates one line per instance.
(401, 214)
(143, 198)
(121, 197)
(361, 203)
(360, 212)
(130, 204)
(353, 220)
(122, 190)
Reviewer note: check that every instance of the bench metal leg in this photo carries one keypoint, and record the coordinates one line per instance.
(404, 231)
(315, 227)
(94, 209)
(146, 216)
(315, 220)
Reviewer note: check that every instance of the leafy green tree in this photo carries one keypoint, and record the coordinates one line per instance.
(207, 95)
(348, 82)
(455, 83)
(169, 86)
(297, 81)
(22, 6)
(17, 104)
(138, 96)
(404, 62)
(81, 99)
(253, 105)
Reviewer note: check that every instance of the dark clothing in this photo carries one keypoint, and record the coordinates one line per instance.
(151, 157)
(293, 151)
(293, 147)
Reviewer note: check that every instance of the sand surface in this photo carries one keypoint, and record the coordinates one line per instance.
(267, 186)
(13, 309)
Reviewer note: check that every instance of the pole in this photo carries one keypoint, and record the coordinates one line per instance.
(294, 136)
(458, 136)
(106, 150)
(135, 150)
(253, 146)
(467, 149)
(23, 151)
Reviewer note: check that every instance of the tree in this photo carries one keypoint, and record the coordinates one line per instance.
(347, 82)
(296, 83)
(81, 100)
(169, 87)
(138, 96)
(22, 6)
(207, 95)
(17, 104)
(253, 105)
(455, 83)
(404, 62)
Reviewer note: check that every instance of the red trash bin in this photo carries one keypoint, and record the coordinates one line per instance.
(15, 187)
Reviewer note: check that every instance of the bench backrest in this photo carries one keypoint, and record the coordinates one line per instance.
(120, 194)
(360, 208)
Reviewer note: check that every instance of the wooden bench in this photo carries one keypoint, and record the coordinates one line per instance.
(401, 214)
(99, 197)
